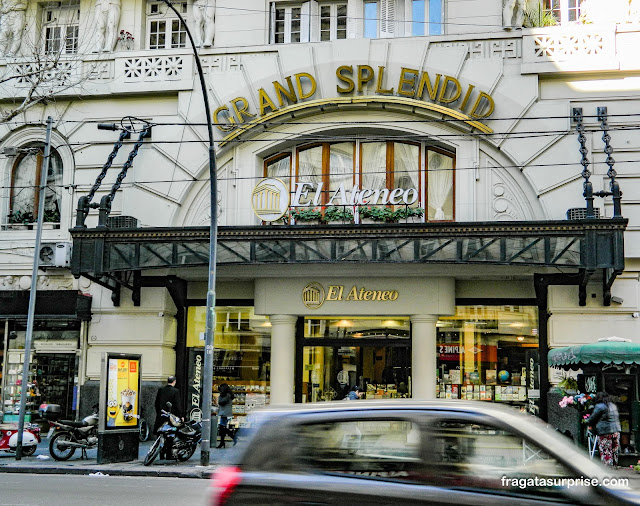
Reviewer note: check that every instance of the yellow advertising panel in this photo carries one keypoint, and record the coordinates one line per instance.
(122, 392)
(196, 326)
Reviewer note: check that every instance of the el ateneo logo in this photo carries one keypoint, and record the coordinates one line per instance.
(270, 199)
(313, 295)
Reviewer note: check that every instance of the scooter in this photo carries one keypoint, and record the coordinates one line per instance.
(176, 439)
(9, 438)
(68, 435)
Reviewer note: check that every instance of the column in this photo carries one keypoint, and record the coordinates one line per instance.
(283, 357)
(423, 357)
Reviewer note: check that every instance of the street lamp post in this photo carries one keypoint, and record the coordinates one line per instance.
(34, 284)
(207, 380)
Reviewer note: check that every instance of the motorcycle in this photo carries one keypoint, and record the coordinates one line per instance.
(176, 439)
(9, 438)
(67, 435)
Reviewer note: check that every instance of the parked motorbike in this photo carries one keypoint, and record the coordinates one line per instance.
(9, 438)
(176, 439)
(66, 436)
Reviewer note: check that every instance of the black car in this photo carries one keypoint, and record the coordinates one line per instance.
(410, 452)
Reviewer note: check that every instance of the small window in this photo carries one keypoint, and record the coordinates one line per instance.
(164, 29)
(333, 21)
(61, 29)
(565, 11)
(384, 449)
(289, 23)
(370, 20)
(25, 179)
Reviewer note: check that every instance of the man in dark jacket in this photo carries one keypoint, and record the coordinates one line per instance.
(168, 393)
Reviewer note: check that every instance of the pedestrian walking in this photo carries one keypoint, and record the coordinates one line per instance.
(225, 412)
(167, 393)
(605, 422)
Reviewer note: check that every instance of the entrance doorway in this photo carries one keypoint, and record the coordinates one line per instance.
(337, 354)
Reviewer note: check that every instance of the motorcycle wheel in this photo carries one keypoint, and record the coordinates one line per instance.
(153, 451)
(185, 455)
(145, 431)
(58, 453)
(27, 451)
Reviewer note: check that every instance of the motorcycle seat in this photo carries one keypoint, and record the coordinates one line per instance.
(73, 423)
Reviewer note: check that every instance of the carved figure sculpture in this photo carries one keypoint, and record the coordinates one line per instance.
(12, 26)
(203, 16)
(107, 21)
(513, 13)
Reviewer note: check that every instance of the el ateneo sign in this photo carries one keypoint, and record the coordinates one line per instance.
(366, 295)
(408, 83)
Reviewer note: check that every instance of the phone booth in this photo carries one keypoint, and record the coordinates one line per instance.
(119, 423)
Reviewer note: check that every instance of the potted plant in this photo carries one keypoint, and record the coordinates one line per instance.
(306, 215)
(21, 219)
(408, 214)
(51, 218)
(338, 213)
(375, 214)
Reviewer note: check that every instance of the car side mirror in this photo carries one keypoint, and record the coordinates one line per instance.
(168, 406)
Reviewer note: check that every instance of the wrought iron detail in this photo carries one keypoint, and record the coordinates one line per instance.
(586, 173)
(614, 186)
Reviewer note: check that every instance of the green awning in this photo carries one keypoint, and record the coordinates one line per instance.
(610, 350)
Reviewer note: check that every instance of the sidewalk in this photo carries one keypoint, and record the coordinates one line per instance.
(43, 463)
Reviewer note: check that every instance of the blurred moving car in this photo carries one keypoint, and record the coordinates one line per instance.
(411, 452)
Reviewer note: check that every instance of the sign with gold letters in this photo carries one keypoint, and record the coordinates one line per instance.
(362, 80)
(313, 295)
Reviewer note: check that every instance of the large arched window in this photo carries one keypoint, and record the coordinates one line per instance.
(25, 179)
(377, 169)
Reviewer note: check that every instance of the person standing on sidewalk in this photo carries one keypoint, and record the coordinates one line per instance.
(225, 412)
(167, 393)
(606, 423)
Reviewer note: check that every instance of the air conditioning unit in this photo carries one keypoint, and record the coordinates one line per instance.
(55, 254)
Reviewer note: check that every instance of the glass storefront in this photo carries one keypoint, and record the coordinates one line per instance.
(341, 353)
(242, 358)
(489, 353)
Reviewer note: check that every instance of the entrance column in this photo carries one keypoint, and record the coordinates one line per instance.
(283, 358)
(423, 356)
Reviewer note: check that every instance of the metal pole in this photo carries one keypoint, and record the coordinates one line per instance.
(207, 379)
(34, 283)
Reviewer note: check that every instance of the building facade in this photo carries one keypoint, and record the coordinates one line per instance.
(400, 195)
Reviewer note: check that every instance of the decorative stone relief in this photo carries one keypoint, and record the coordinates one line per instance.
(12, 26)
(25, 282)
(221, 63)
(153, 68)
(513, 14)
(9, 281)
(99, 70)
(505, 204)
(204, 19)
(106, 25)
(488, 49)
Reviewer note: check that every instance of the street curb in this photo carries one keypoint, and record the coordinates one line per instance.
(151, 472)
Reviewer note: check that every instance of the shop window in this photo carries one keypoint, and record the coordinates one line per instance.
(53, 367)
(489, 353)
(333, 21)
(164, 28)
(372, 353)
(60, 29)
(25, 192)
(476, 456)
(366, 448)
(242, 358)
(565, 11)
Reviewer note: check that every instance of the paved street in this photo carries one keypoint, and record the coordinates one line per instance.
(66, 490)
